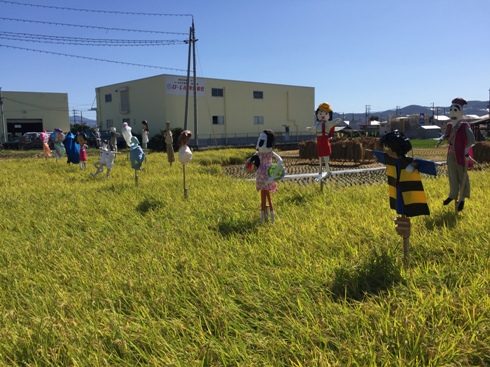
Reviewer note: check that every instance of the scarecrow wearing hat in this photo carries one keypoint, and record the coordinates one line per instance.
(267, 173)
(325, 128)
(460, 140)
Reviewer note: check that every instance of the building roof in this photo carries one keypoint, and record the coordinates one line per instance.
(430, 127)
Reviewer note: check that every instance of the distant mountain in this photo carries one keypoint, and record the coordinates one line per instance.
(478, 108)
(85, 120)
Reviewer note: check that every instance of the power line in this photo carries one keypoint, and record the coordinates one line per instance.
(90, 58)
(89, 26)
(29, 37)
(97, 11)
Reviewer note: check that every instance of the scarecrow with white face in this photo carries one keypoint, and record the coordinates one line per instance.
(460, 139)
(325, 128)
(267, 172)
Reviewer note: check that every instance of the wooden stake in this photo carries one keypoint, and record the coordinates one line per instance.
(403, 229)
(185, 188)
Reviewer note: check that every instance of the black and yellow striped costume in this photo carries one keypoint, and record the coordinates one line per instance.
(406, 191)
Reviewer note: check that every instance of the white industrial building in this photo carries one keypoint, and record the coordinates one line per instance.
(33, 112)
(228, 112)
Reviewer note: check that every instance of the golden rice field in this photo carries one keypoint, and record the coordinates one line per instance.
(97, 272)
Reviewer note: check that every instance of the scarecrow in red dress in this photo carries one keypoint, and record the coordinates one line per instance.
(325, 128)
(267, 172)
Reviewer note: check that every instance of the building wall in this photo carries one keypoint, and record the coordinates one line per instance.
(33, 111)
(162, 98)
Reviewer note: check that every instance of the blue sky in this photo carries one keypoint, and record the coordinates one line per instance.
(381, 53)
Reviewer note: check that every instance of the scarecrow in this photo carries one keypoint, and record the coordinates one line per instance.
(169, 143)
(136, 154)
(405, 188)
(72, 149)
(460, 140)
(82, 141)
(106, 159)
(268, 173)
(145, 133)
(44, 137)
(126, 133)
(325, 128)
(57, 138)
(113, 142)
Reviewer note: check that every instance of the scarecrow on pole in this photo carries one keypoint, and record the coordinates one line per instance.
(325, 128)
(185, 153)
(406, 191)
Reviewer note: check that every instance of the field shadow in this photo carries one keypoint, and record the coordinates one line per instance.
(148, 205)
(441, 219)
(230, 227)
(373, 275)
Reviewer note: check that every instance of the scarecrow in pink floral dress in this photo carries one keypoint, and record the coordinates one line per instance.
(267, 172)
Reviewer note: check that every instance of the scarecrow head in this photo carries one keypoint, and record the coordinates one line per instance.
(184, 138)
(266, 141)
(324, 112)
(396, 142)
(456, 109)
(82, 138)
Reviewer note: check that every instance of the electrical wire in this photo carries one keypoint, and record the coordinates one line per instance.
(28, 37)
(107, 29)
(91, 58)
(96, 11)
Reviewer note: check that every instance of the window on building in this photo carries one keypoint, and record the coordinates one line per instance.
(217, 92)
(258, 94)
(258, 120)
(109, 123)
(108, 97)
(124, 101)
(218, 120)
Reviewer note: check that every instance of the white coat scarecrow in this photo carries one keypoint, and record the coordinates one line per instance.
(460, 139)
(325, 128)
(267, 172)
(106, 159)
(126, 133)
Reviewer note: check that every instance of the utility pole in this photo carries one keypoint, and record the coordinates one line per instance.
(196, 136)
(4, 127)
(368, 108)
(192, 49)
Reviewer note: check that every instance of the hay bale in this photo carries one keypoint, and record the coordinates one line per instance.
(307, 149)
(343, 149)
(481, 151)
